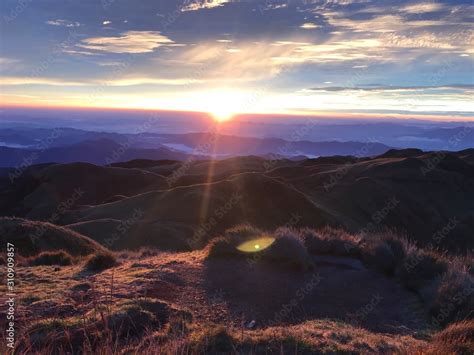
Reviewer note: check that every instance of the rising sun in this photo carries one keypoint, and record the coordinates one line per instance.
(222, 114)
(222, 106)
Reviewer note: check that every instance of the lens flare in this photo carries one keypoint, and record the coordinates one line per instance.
(256, 245)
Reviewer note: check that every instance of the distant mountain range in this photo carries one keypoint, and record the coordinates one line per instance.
(101, 152)
(27, 128)
(63, 145)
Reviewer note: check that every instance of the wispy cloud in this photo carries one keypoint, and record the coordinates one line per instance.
(8, 61)
(126, 81)
(13, 81)
(253, 61)
(310, 26)
(380, 88)
(127, 42)
(424, 7)
(63, 23)
(203, 4)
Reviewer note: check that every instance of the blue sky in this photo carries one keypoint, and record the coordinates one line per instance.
(225, 57)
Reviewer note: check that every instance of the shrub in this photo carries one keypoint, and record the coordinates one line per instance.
(242, 231)
(458, 338)
(130, 320)
(57, 334)
(101, 261)
(226, 246)
(212, 340)
(222, 247)
(146, 253)
(453, 298)
(330, 242)
(419, 268)
(288, 249)
(385, 253)
(51, 258)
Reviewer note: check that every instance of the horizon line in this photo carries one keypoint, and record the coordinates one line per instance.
(301, 114)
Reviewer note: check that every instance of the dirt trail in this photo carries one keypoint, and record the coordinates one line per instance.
(339, 288)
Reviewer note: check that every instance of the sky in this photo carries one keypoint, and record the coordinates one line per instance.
(302, 57)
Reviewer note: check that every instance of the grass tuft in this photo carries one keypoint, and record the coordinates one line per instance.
(100, 261)
(458, 338)
(329, 241)
(61, 258)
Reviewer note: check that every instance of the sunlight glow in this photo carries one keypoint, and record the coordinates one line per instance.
(223, 105)
(256, 245)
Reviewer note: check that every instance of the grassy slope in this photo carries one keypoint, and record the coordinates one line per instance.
(32, 237)
(186, 303)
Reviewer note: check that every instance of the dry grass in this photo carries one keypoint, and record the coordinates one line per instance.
(151, 326)
(445, 285)
(33, 237)
(287, 249)
(60, 258)
(312, 337)
(456, 339)
(329, 241)
(105, 329)
(100, 261)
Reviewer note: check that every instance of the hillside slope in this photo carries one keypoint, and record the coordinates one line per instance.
(189, 215)
(31, 238)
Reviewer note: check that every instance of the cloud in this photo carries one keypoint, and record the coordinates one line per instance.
(13, 81)
(153, 81)
(398, 32)
(376, 24)
(8, 61)
(127, 81)
(203, 4)
(309, 26)
(424, 7)
(380, 88)
(127, 42)
(254, 61)
(245, 62)
(63, 23)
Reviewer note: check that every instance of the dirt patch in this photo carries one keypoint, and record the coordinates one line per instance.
(232, 291)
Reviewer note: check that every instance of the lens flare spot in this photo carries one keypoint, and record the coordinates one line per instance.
(256, 245)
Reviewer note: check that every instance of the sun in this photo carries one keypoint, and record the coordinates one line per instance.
(224, 105)
(222, 114)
